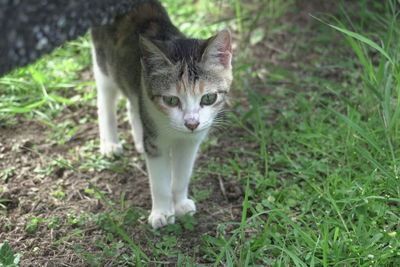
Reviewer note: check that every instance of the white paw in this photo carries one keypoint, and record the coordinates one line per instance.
(159, 219)
(139, 147)
(108, 148)
(185, 206)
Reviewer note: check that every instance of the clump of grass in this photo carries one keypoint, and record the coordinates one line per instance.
(336, 195)
(380, 76)
(36, 89)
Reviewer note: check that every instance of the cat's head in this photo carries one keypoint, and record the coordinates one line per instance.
(188, 79)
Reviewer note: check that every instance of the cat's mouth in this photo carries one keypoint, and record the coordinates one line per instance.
(190, 131)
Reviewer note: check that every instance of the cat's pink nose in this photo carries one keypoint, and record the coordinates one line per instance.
(191, 125)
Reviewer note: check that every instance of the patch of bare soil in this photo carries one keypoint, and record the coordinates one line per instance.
(32, 193)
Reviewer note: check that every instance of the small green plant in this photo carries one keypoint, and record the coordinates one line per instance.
(109, 250)
(188, 222)
(131, 216)
(200, 195)
(4, 200)
(182, 224)
(33, 224)
(7, 257)
(7, 173)
(59, 194)
(63, 132)
(52, 223)
(91, 160)
(42, 172)
(76, 220)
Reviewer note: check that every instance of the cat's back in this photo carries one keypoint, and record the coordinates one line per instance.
(148, 19)
(116, 46)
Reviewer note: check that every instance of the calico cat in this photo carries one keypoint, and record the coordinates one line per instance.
(175, 87)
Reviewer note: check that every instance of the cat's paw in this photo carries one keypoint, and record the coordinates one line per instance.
(185, 206)
(108, 148)
(139, 147)
(159, 219)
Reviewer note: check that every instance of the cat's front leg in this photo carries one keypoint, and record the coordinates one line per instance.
(159, 169)
(107, 96)
(183, 158)
(136, 123)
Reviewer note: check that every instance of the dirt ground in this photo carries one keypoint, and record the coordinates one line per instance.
(31, 194)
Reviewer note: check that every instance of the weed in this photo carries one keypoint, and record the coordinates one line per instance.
(76, 220)
(63, 132)
(42, 172)
(33, 224)
(59, 194)
(7, 257)
(7, 173)
(52, 223)
(4, 200)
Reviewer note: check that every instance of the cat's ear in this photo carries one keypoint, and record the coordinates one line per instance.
(218, 51)
(152, 57)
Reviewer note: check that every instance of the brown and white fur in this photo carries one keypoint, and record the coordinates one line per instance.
(169, 81)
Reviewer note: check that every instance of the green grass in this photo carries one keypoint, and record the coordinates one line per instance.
(45, 87)
(321, 176)
(7, 256)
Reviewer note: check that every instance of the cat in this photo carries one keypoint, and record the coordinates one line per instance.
(175, 88)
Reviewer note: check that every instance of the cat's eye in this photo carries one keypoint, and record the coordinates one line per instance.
(171, 101)
(208, 99)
